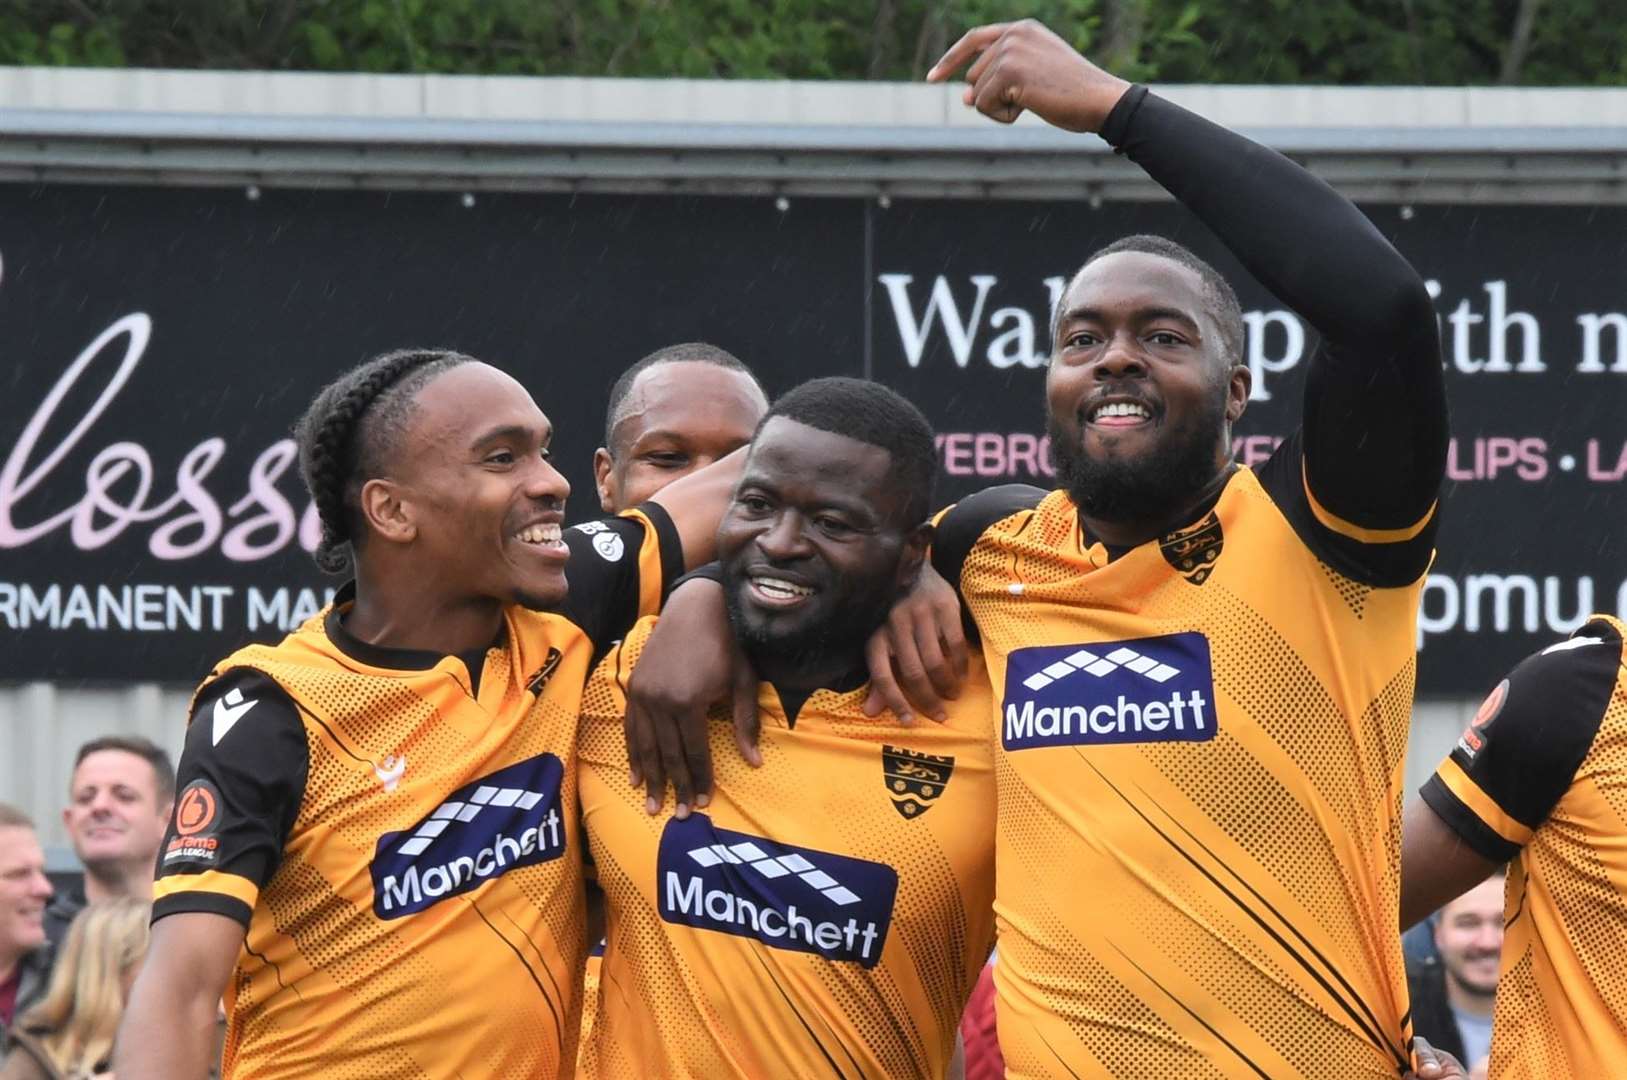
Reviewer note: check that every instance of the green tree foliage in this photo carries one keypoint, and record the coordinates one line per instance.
(1563, 42)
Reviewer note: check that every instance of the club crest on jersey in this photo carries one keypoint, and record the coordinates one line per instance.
(784, 896)
(914, 780)
(1157, 689)
(1193, 550)
(501, 822)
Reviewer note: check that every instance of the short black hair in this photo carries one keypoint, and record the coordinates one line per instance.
(146, 749)
(1218, 293)
(348, 433)
(688, 352)
(869, 412)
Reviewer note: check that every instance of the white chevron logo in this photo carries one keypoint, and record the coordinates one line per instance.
(749, 854)
(1088, 662)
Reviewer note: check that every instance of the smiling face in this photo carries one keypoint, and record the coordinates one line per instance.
(1140, 394)
(678, 417)
(24, 890)
(813, 548)
(471, 503)
(115, 814)
(1469, 935)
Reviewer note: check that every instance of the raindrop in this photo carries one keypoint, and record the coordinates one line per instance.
(885, 201)
(468, 200)
(1406, 213)
(252, 192)
(782, 204)
(1095, 202)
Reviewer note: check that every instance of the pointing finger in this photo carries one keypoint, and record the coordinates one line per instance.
(971, 43)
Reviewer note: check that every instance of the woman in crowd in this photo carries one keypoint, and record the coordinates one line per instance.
(69, 1034)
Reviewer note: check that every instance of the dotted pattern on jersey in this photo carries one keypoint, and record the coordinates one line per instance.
(316, 910)
(1324, 777)
(1353, 593)
(862, 1018)
(1575, 855)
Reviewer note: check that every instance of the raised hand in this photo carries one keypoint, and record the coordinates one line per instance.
(1023, 65)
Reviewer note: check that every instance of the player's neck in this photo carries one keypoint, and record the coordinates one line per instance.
(1133, 532)
(398, 618)
(803, 673)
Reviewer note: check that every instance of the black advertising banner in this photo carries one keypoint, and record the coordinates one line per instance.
(158, 343)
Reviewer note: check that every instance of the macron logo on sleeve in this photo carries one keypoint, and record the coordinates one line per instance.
(1158, 689)
(228, 711)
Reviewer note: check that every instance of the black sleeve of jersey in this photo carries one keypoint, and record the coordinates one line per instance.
(1525, 752)
(605, 574)
(1375, 423)
(961, 525)
(239, 784)
(1383, 565)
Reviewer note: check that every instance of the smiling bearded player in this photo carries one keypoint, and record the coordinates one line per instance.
(374, 854)
(1204, 672)
(827, 914)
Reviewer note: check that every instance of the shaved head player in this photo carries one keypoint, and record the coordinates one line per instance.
(374, 853)
(677, 410)
(1203, 673)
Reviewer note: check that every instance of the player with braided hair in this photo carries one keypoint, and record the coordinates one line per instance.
(375, 853)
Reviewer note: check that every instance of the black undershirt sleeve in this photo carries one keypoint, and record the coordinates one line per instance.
(1372, 444)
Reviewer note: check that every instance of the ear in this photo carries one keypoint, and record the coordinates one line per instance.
(604, 469)
(387, 511)
(917, 542)
(1239, 382)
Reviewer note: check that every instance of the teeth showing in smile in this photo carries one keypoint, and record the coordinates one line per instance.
(779, 589)
(1121, 408)
(540, 534)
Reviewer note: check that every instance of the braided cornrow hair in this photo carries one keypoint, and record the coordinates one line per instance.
(346, 434)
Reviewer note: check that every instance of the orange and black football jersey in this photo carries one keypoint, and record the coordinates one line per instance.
(398, 833)
(1540, 778)
(1199, 751)
(825, 915)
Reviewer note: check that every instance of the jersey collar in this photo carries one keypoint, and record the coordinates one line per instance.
(382, 656)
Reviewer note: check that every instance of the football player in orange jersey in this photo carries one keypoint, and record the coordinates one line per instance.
(374, 855)
(1204, 672)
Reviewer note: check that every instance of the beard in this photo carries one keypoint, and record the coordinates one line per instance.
(1148, 486)
(840, 635)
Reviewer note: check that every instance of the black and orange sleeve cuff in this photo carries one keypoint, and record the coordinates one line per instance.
(212, 891)
(660, 557)
(1473, 815)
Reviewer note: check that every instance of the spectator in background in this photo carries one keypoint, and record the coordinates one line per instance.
(1452, 996)
(25, 959)
(69, 1034)
(119, 803)
(677, 410)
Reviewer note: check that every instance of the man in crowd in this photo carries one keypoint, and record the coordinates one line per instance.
(374, 853)
(677, 410)
(1204, 673)
(24, 890)
(119, 802)
(1538, 782)
(828, 913)
(1453, 990)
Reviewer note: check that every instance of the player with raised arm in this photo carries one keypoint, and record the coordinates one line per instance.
(1203, 673)
(827, 914)
(1539, 782)
(374, 853)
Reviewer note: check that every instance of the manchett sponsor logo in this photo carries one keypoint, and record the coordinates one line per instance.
(787, 897)
(1158, 689)
(501, 822)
